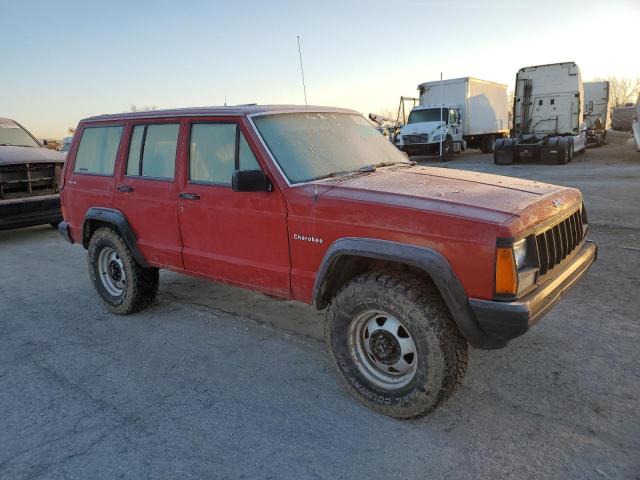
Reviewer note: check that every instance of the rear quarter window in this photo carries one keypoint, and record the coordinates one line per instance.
(98, 150)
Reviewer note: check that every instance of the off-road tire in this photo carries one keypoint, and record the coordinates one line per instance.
(447, 149)
(142, 283)
(441, 349)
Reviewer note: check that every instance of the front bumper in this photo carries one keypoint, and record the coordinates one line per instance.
(30, 211)
(421, 148)
(507, 320)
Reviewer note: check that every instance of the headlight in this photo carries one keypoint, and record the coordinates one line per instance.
(437, 137)
(520, 253)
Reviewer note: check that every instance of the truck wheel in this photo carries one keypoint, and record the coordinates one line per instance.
(487, 145)
(447, 149)
(395, 344)
(571, 151)
(503, 152)
(124, 286)
(563, 151)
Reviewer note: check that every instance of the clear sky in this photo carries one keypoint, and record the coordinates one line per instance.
(65, 60)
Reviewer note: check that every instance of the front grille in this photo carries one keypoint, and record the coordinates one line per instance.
(29, 180)
(411, 139)
(558, 242)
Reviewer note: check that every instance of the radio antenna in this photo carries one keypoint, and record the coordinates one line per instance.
(306, 106)
(304, 86)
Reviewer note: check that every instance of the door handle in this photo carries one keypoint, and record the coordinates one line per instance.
(189, 196)
(125, 188)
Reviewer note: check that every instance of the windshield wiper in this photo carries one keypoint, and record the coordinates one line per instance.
(12, 145)
(365, 168)
(388, 164)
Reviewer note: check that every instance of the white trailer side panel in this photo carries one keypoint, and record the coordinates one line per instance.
(487, 108)
(483, 104)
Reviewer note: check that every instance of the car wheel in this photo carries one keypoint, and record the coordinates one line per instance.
(395, 344)
(124, 286)
(447, 149)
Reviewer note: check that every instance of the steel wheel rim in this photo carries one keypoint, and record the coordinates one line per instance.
(111, 271)
(382, 349)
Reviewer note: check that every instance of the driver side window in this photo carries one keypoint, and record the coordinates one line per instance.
(216, 150)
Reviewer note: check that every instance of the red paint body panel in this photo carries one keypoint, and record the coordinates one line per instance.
(253, 239)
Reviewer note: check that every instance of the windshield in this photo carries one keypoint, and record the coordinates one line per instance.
(317, 145)
(13, 134)
(428, 115)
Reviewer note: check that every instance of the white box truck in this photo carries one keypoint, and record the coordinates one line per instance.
(548, 116)
(596, 112)
(460, 113)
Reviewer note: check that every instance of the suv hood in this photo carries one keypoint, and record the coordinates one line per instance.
(10, 155)
(481, 196)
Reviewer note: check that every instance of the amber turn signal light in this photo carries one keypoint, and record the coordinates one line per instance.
(506, 274)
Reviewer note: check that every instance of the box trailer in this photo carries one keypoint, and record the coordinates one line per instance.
(548, 116)
(596, 112)
(458, 113)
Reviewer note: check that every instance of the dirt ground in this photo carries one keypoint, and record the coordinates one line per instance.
(218, 382)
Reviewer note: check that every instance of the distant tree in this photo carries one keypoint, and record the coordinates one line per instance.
(143, 108)
(621, 90)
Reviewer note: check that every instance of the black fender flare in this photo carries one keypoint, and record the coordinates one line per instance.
(117, 219)
(431, 262)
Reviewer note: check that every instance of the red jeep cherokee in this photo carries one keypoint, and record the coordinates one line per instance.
(313, 204)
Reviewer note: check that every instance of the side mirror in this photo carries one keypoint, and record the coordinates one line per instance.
(250, 181)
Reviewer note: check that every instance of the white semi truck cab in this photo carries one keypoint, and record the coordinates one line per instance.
(548, 116)
(454, 115)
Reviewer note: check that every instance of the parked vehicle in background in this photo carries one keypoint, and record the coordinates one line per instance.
(66, 144)
(622, 117)
(548, 119)
(313, 204)
(460, 113)
(29, 179)
(596, 112)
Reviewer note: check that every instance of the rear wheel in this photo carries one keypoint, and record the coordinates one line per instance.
(395, 344)
(563, 151)
(124, 286)
(487, 145)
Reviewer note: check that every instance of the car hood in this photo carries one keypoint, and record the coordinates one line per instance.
(474, 195)
(10, 155)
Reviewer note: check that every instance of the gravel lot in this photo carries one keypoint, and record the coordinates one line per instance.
(216, 382)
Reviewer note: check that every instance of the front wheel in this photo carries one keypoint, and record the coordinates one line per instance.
(447, 149)
(124, 286)
(395, 344)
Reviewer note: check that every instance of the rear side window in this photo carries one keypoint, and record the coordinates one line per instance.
(216, 150)
(98, 149)
(152, 151)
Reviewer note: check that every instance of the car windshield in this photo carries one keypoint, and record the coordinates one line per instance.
(13, 134)
(319, 145)
(428, 115)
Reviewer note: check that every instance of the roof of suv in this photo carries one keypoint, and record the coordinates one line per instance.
(239, 110)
